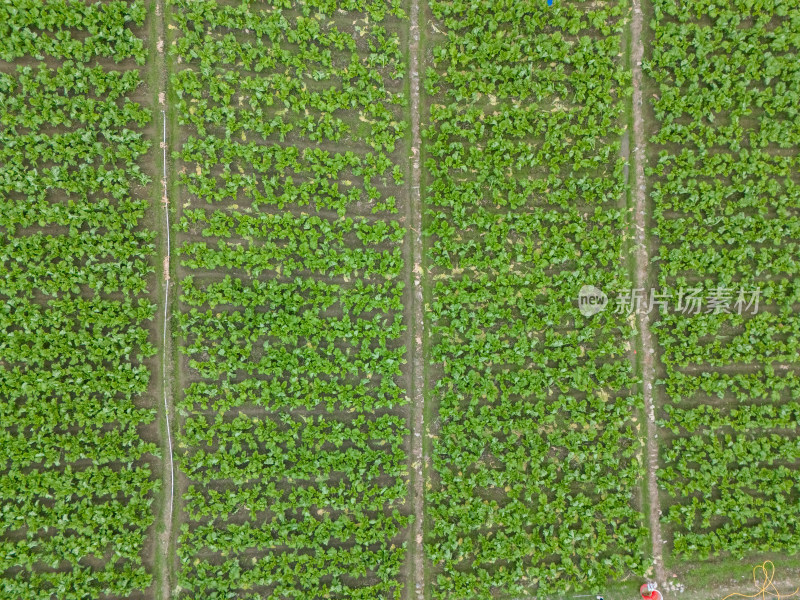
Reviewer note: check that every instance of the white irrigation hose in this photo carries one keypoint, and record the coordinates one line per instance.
(166, 316)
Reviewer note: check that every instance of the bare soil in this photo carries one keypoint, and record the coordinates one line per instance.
(164, 560)
(417, 324)
(641, 277)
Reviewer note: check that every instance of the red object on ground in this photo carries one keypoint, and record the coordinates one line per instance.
(649, 592)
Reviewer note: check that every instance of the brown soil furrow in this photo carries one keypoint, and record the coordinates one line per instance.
(416, 326)
(641, 277)
(164, 560)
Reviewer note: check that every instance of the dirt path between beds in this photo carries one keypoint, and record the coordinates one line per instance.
(416, 327)
(642, 282)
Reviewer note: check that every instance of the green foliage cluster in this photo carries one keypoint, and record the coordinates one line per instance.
(726, 208)
(537, 452)
(71, 30)
(75, 483)
(292, 433)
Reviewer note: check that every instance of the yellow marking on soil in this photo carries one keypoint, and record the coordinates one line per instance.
(766, 587)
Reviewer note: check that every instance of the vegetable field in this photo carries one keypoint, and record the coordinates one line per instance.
(77, 475)
(233, 365)
(293, 432)
(534, 454)
(726, 202)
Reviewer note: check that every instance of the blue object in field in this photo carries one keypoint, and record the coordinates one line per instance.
(549, 2)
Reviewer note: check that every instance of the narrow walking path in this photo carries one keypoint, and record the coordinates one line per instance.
(170, 495)
(416, 327)
(641, 281)
(164, 561)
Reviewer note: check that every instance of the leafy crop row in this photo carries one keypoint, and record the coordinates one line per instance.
(726, 208)
(292, 434)
(535, 451)
(75, 483)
